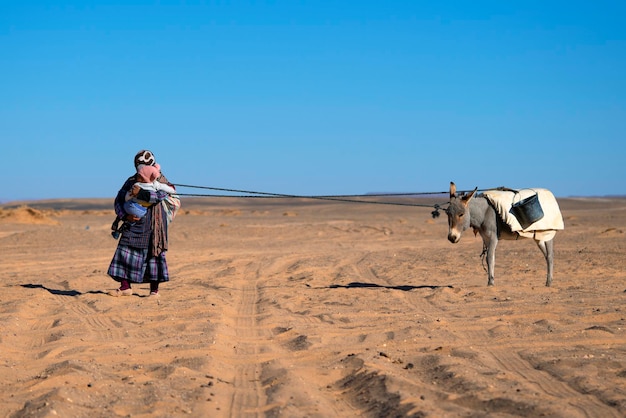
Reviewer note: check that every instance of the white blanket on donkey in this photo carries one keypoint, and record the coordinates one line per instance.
(503, 201)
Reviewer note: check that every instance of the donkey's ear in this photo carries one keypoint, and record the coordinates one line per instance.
(466, 198)
(452, 189)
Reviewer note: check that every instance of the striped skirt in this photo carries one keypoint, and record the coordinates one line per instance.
(134, 265)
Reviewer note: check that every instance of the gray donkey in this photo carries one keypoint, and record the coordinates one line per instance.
(475, 211)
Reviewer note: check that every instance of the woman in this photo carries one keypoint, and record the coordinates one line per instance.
(140, 253)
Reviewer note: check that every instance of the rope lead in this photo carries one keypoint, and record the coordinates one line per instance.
(335, 198)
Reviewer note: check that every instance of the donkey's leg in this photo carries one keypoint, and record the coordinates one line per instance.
(547, 248)
(490, 244)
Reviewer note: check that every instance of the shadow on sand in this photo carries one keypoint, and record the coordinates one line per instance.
(404, 288)
(61, 292)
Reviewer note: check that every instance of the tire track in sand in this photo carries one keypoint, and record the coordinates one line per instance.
(509, 360)
(248, 399)
(506, 358)
(264, 381)
(578, 404)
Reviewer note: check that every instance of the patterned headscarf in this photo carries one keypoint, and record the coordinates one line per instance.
(144, 157)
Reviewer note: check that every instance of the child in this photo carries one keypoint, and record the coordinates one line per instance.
(147, 176)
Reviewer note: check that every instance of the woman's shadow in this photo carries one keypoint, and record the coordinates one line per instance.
(59, 292)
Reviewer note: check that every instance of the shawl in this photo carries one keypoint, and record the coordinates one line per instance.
(159, 225)
(159, 230)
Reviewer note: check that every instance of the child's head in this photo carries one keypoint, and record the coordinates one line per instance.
(148, 173)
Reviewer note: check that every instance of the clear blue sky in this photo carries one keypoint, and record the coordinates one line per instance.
(313, 97)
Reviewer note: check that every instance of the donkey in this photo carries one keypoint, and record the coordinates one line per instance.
(476, 212)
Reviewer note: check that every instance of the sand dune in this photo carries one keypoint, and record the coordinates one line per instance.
(294, 308)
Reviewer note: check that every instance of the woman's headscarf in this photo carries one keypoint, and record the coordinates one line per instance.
(144, 157)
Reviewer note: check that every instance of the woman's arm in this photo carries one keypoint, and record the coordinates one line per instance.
(164, 187)
(151, 196)
(118, 204)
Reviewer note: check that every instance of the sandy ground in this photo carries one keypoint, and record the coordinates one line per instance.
(287, 308)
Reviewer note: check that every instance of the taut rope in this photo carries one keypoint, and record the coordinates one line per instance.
(334, 198)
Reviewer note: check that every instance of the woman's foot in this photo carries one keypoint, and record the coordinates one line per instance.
(154, 289)
(120, 292)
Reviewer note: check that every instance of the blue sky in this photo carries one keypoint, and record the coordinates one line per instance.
(313, 97)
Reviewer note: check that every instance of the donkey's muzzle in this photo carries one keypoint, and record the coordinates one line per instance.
(453, 238)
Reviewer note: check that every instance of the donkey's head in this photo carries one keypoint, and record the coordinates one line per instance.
(458, 213)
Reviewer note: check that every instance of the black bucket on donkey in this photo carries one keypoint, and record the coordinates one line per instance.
(527, 211)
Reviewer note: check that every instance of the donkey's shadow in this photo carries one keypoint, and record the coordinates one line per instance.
(404, 288)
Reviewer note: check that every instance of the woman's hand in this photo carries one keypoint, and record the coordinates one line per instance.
(132, 218)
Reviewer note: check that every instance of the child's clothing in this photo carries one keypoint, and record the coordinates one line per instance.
(148, 175)
(134, 206)
(146, 179)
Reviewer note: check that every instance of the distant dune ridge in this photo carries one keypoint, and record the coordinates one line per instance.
(307, 308)
(27, 215)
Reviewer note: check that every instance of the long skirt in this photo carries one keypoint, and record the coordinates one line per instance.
(135, 265)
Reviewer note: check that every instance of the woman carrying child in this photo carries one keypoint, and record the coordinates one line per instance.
(140, 253)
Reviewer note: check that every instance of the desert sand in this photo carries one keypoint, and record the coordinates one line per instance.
(300, 308)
